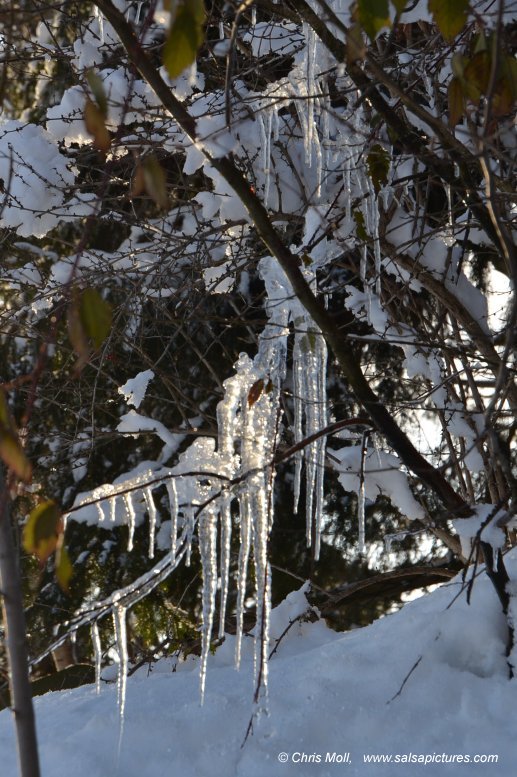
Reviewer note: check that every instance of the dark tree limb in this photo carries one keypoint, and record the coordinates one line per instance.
(15, 643)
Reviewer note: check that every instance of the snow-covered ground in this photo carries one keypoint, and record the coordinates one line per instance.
(329, 695)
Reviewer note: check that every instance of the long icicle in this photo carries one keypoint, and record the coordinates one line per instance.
(97, 652)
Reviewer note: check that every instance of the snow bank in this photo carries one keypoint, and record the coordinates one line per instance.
(329, 693)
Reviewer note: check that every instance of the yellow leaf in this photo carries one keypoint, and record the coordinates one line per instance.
(96, 126)
(184, 38)
(77, 334)
(477, 73)
(450, 16)
(373, 15)
(355, 45)
(42, 530)
(63, 566)
(13, 455)
(6, 420)
(456, 101)
(155, 181)
(95, 314)
(97, 87)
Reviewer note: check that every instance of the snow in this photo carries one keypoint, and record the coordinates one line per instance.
(328, 693)
(382, 475)
(134, 389)
(35, 175)
(484, 524)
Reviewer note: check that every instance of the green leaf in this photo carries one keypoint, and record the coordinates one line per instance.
(95, 315)
(155, 181)
(360, 228)
(450, 16)
(373, 15)
(42, 530)
(63, 567)
(378, 162)
(184, 38)
(399, 5)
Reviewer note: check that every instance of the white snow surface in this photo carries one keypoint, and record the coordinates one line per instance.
(134, 389)
(329, 693)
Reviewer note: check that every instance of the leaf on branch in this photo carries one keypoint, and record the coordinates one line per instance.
(89, 321)
(42, 530)
(96, 126)
(450, 16)
(97, 87)
(184, 38)
(63, 565)
(355, 45)
(373, 15)
(11, 450)
(255, 392)
(95, 315)
(456, 101)
(378, 162)
(13, 455)
(477, 74)
(155, 181)
(360, 226)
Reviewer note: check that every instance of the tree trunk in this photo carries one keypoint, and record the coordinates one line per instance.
(15, 643)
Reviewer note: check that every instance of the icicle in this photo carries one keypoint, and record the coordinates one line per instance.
(226, 536)
(265, 138)
(100, 20)
(97, 652)
(221, 31)
(298, 382)
(260, 523)
(254, 16)
(128, 501)
(100, 511)
(173, 506)
(372, 227)
(320, 422)
(310, 38)
(207, 549)
(189, 528)
(275, 122)
(119, 624)
(309, 369)
(361, 495)
(113, 509)
(138, 11)
(244, 550)
(151, 509)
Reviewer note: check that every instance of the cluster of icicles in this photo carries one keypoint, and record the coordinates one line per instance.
(214, 490)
